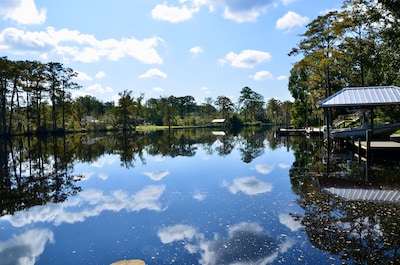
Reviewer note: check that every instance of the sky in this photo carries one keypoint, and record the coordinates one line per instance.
(201, 48)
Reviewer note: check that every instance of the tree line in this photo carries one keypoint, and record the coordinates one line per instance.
(357, 46)
(35, 98)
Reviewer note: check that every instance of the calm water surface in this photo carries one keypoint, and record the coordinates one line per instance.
(194, 197)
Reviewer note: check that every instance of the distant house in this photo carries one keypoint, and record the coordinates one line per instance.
(90, 119)
(219, 121)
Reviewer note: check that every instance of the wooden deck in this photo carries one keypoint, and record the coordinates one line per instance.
(386, 150)
(290, 131)
(379, 145)
(301, 131)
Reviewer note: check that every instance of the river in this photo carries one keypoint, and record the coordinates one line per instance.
(195, 197)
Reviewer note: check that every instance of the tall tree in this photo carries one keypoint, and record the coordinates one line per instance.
(125, 109)
(54, 74)
(67, 83)
(225, 106)
(5, 75)
(274, 112)
(250, 104)
(208, 109)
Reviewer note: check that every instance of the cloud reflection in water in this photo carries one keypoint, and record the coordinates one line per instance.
(246, 243)
(157, 175)
(24, 249)
(249, 186)
(89, 204)
(264, 169)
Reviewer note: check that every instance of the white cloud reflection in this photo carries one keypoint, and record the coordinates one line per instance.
(264, 169)
(283, 165)
(156, 175)
(89, 204)
(25, 249)
(249, 186)
(246, 243)
(289, 222)
(103, 161)
(200, 196)
(177, 232)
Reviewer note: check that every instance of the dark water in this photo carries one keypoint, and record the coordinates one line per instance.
(195, 197)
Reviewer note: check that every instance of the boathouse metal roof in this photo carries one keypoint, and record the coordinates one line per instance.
(363, 96)
(375, 195)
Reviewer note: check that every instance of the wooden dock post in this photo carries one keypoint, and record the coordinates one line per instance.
(368, 136)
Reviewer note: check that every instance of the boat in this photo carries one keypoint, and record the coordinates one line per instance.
(360, 132)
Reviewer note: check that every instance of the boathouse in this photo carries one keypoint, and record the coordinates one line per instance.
(362, 98)
(359, 97)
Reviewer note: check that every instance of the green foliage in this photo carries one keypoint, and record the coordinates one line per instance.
(356, 46)
(48, 108)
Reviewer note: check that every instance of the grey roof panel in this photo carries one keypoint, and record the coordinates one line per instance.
(363, 96)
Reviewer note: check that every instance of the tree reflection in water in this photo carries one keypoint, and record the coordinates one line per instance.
(39, 171)
(36, 171)
(361, 230)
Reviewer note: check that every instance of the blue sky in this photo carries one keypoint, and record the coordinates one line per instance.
(202, 48)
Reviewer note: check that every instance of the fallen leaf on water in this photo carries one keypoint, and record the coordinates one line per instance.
(129, 262)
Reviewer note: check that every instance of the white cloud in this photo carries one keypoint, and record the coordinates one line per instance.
(23, 12)
(153, 73)
(249, 186)
(290, 20)
(80, 93)
(173, 14)
(239, 10)
(246, 58)
(205, 90)
(242, 10)
(286, 2)
(262, 75)
(80, 47)
(115, 98)
(158, 89)
(26, 248)
(282, 77)
(196, 50)
(83, 76)
(157, 176)
(100, 74)
(243, 15)
(98, 89)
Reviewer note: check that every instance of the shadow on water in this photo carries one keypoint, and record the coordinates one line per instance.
(351, 206)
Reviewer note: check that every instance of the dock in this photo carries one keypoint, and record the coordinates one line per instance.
(382, 149)
(291, 131)
(301, 131)
(379, 145)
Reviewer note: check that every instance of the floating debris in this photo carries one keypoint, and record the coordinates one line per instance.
(129, 262)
